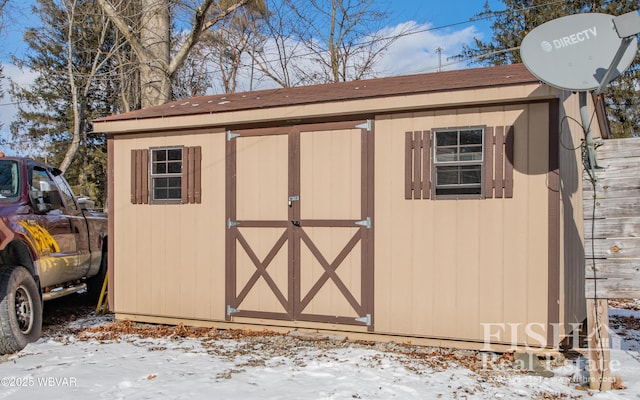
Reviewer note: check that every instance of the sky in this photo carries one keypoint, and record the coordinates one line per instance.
(443, 25)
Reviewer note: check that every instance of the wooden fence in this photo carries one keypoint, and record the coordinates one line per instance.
(612, 222)
(611, 245)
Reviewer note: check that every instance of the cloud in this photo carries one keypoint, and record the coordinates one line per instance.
(417, 52)
(413, 52)
(8, 108)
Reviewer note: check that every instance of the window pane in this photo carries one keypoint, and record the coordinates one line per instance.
(167, 189)
(446, 154)
(471, 137)
(471, 153)
(161, 182)
(447, 176)
(175, 193)
(160, 194)
(175, 154)
(470, 175)
(159, 168)
(8, 179)
(447, 138)
(175, 182)
(174, 167)
(159, 155)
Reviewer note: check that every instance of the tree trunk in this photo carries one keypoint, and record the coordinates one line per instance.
(154, 38)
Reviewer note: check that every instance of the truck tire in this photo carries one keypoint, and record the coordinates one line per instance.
(20, 309)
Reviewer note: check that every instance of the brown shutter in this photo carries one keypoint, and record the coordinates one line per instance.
(185, 176)
(408, 165)
(426, 164)
(140, 176)
(417, 166)
(191, 175)
(508, 163)
(488, 162)
(498, 164)
(197, 174)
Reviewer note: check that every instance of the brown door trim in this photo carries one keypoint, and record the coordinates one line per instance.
(295, 235)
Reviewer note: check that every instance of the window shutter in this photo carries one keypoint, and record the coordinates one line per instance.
(498, 162)
(508, 163)
(191, 175)
(140, 176)
(417, 165)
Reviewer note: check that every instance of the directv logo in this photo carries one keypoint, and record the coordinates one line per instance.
(570, 40)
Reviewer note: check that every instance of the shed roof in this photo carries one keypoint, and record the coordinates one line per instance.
(363, 89)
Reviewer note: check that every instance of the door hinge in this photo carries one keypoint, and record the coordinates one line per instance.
(365, 320)
(231, 135)
(231, 310)
(365, 222)
(231, 224)
(366, 125)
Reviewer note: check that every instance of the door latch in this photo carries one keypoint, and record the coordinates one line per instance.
(292, 199)
(295, 222)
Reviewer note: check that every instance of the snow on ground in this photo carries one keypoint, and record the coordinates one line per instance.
(93, 358)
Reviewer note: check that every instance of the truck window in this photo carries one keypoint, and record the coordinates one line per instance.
(8, 179)
(65, 191)
(43, 189)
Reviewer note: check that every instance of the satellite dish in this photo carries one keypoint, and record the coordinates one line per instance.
(575, 52)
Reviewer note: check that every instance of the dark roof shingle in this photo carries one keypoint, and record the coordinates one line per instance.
(343, 91)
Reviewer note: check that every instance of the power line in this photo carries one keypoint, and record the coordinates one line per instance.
(479, 17)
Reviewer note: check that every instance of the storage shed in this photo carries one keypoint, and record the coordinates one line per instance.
(440, 208)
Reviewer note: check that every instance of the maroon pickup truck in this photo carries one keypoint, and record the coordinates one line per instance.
(50, 246)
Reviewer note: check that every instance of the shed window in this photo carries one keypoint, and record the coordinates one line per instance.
(166, 175)
(458, 159)
(468, 162)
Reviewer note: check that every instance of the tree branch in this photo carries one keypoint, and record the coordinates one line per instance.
(200, 25)
(122, 26)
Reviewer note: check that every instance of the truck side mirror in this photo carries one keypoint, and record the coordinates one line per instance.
(37, 200)
(45, 201)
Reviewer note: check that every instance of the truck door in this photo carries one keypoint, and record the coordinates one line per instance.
(56, 230)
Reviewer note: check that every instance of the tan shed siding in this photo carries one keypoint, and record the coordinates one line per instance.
(572, 274)
(170, 258)
(443, 267)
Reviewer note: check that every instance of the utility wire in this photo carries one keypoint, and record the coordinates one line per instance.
(479, 17)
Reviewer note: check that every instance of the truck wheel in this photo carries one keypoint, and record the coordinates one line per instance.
(20, 309)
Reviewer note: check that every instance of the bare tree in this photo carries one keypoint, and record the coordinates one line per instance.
(194, 78)
(81, 83)
(149, 37)
(72, 57)
(321, 41)
(232, 44)
(3, 3)
(275, 54)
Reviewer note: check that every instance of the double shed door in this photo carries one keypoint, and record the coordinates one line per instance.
(299, 223)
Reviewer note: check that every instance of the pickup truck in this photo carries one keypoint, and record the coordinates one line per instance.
(49, 247)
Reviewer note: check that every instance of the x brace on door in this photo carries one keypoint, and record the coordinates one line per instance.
(291, 235)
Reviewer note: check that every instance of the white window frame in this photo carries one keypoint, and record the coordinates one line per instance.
(458, 190)
(165, 176)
